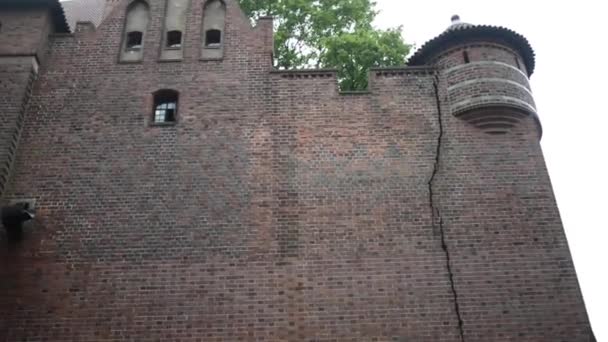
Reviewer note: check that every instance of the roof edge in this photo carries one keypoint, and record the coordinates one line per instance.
(472, 33)
(57, 13)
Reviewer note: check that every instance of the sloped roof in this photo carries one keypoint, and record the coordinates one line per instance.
(55, 7)
(464, 33)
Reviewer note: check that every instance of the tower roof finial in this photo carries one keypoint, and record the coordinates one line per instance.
(455, 19)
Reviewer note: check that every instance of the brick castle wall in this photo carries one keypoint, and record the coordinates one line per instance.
(277, 208)
(512, 270)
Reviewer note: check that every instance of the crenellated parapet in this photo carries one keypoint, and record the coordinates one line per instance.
(382, 80)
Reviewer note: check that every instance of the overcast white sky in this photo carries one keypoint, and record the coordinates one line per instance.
(569, 84)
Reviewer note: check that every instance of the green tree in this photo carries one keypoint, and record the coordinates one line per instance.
(330, 34)
(354, 53)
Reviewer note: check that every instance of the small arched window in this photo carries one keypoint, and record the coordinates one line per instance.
(214, 22)
(136, 24)
(165, 106)
(213, 38)
(176, 13)
(174, 39)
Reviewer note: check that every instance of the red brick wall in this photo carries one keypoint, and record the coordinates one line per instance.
(276, 209)
(513, 273)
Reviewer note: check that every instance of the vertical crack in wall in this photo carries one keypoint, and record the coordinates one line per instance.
(437, 220)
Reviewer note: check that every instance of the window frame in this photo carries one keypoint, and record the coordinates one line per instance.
(213, 45)
(175, 46)
(164, 97)
(137, 47)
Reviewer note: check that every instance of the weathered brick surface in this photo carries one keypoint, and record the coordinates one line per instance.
(491, 76)
(277, 208)
(512, 269)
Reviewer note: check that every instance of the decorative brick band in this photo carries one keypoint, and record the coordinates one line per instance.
(484, 63)
(491, 101)
(303, 73)
(489, 79)
(495, 89)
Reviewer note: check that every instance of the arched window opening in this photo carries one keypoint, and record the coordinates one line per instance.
(136, 24)
(174, 39)
(134, 40)
(213, 38)
(214, 22)
(165, 106)
(176, 13)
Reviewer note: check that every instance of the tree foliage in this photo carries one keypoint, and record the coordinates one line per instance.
(354, 53)
(330, 34)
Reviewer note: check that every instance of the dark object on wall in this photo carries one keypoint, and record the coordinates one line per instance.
(13, 217)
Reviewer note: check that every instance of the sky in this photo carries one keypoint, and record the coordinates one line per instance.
(569, 85)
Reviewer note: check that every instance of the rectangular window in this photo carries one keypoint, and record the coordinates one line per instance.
(165, 106)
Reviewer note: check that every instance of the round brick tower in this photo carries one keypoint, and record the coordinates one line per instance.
(509, 266)
(486, 69)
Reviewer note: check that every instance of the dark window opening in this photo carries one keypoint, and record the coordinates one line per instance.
(165, 106)
(213, 38)
(465, 55)
(517, 63)
(174, 39)
(134, 40)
